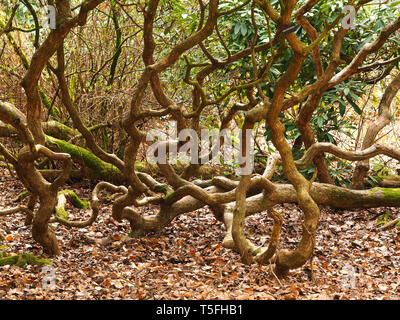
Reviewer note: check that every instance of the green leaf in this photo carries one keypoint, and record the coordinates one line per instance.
(243, 29)
(354, 105)
(342, 107)
(237, 28)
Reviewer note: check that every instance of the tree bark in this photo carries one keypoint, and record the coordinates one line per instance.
(385, 116)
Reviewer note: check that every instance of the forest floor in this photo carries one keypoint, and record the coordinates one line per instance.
(186, 261)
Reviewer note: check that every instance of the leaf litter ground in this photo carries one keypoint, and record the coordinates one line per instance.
(186, 261)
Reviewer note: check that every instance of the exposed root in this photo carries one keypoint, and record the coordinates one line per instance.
(101, 242)
(73, 199)
(6, 212)
(21, 196)
(266, 254)
(94, 204)
(389, 225)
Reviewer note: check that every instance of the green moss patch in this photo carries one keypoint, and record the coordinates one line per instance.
(391, 194)
(22, 259)
(74, 199)
(98, 168)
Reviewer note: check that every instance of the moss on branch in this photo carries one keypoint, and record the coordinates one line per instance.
(61, 213)
(21, 260)
(93, 166)
(58, 130)
(74, 199)
(391, 194)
